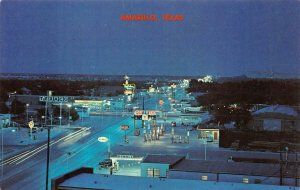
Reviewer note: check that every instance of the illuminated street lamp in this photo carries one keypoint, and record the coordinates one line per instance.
(205, 143)
(69, 106)
(105, 139)
(27, 105)
(60, 117)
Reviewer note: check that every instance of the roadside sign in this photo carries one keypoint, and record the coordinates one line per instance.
(138, 112)
(161, 102)
(102, 139)
(151, 112)
(128, 92)
(145, 117)
(124, 127)
(31, 124)
(56, 99)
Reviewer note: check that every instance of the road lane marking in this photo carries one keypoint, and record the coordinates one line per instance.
(30, 153)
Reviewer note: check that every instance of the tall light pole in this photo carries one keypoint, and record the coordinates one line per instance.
(205, 142)
(27, 105)
(81, 115)
(106, 140)
(60, 107)
(69, 106)
(49, 93)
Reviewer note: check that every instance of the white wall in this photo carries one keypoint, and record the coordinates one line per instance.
(272, 124)
(231, 178)
(162, 167)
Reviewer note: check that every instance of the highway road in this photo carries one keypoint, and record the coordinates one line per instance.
(66, 154)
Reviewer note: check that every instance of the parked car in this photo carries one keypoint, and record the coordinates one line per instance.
(105, 163)
(209, 139)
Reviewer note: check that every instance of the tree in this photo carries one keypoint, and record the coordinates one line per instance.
(56, 111)
(17, 107)
(3, 108)
(74, 114)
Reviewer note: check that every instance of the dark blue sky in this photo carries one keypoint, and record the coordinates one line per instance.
(224, 38)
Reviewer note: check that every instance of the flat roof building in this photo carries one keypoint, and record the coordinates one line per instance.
(84, 178)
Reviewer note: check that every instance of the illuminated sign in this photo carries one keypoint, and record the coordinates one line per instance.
(144, 114)
(102, 139)
(151, 112)
(128, 92)
(55, 99)
(138, 112)
(31, 124)
(124, 127)
(144, 117)
(161, 102)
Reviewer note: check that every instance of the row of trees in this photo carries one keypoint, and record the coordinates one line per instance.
(60, 87)
(284, 92)
(231, 101)
(40, 87)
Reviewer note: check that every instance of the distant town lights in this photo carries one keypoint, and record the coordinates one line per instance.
(206, 79)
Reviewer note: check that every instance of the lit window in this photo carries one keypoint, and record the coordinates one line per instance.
(245, 180)
(204, 177)
(152, 172)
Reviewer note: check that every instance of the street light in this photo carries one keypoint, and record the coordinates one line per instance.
(286, 153)
(51, 118)
(205, 143)
(60, 117)
(69, 106)
(105, 139)
(27, 105)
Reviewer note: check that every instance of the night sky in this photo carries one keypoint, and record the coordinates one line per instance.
(223, 38)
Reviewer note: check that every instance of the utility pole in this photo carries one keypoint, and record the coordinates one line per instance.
(48, 145)
(143, 122)
(280, 183)
(60, 117)
(296, 173)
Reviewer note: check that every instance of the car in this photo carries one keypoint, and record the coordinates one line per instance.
(105, 163)
(209, 139)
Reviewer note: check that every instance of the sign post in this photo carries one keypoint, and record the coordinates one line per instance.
(125, 128)
(104, 140)
(51, 99)
(31, 125)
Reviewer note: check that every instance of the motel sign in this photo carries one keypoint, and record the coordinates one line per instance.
(59, 99)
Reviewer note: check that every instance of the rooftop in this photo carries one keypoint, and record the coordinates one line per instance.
(115, 182)
(163, 159)
(235, 168)
(281, 109)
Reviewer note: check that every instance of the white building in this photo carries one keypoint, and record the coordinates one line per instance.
(158, 165)
(275, 118)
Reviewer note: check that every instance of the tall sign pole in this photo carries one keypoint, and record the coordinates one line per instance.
(51, 99)
(48, 142)
(143, 122)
